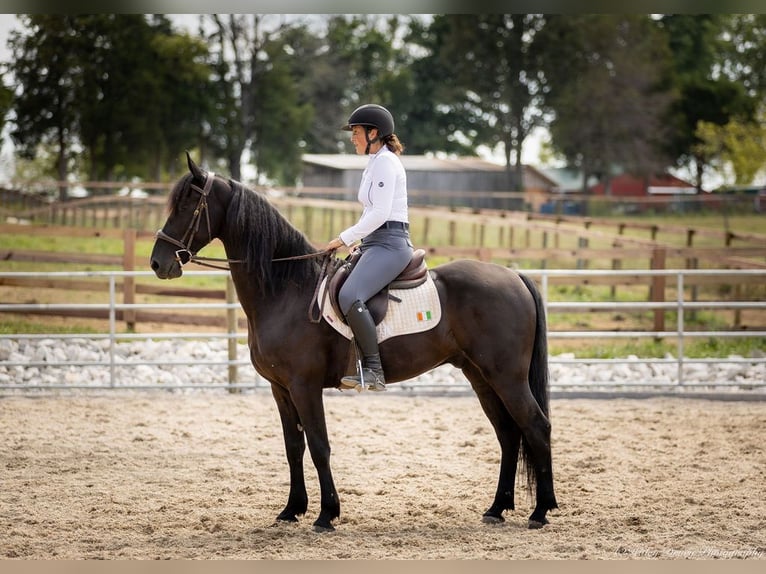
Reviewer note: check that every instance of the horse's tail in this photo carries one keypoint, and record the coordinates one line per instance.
(538, 373)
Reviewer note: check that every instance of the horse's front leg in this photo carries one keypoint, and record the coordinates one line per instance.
(295, 446)
(308, 402)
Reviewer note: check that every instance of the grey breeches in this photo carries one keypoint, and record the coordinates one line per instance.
(385, 253)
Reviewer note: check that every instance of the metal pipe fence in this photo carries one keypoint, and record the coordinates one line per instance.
(118, 366)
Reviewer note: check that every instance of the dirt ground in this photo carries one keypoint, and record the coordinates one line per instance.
(203, 476)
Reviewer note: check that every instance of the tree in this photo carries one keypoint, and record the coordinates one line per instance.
(6, 102)
(739, 147)
(260, 103)
(360, 59)
(119, 119)
(698, 46)
(282, 117)
(743, 52)
(184, 103)
(45, 65)
(431, 119)
(111, 93)
(606, 77)
(494, 65)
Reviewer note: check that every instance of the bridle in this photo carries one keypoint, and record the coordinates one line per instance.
(184, 254)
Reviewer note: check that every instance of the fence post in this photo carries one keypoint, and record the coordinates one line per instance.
(616, 264)
(658, 287)
(583, 243)
(231, 322)
(129, 282)
(426, 229)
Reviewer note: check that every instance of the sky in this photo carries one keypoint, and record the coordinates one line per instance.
(7, 23)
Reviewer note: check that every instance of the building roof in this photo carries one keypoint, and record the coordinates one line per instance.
(566, 179)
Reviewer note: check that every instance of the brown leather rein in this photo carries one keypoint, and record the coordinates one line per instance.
(185, 242)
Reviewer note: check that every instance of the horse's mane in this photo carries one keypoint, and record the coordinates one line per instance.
(259, 233)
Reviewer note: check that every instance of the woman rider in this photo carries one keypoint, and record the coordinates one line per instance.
(383, 229)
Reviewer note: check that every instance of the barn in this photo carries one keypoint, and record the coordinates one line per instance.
(630, 191)
(569, 180)
(454, 178)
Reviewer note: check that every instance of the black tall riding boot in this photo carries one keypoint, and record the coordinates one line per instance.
(371, 375)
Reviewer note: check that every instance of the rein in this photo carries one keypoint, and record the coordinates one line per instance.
(185, 255)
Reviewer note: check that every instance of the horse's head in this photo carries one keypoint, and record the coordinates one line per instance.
(191, 224)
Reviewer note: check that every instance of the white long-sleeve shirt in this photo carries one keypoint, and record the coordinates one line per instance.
(382, 193)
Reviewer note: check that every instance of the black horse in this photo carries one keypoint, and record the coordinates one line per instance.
(493, 328)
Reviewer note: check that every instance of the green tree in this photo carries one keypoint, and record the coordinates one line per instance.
(6, 101)
(184, 106)
(46, 59)
(361, 59)
(744, 52)
(283, 115)
(607, 88)
(737, 147)
(256, 77)
(119, 116)
(321, 70)
(494, 64)
(431, 121)
(113, 94)
(698, 47)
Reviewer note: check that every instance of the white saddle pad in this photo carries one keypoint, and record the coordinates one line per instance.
(418, 311)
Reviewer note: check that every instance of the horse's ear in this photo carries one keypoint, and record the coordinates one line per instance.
(193, 168)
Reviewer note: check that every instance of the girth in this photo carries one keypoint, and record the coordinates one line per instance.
(414, 275)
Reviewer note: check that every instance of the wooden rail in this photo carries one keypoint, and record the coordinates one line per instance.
(517, 239)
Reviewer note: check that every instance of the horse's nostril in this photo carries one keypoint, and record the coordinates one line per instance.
(155, 265)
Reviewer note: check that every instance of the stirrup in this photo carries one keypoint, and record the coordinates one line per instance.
(350, 383)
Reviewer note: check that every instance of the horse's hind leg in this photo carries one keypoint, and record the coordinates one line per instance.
(528, 421)
(509, 437)
(536, 430)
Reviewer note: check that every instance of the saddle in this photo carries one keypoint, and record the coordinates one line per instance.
(414, 275)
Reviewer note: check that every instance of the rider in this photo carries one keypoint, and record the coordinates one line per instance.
(383, 229)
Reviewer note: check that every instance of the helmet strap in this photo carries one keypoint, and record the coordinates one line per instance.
(369, 141)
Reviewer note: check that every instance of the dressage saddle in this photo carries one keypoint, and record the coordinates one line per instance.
(414, 275)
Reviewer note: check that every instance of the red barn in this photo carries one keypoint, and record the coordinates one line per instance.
(625, 185)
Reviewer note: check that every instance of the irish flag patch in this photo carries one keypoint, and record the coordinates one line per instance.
(424, 316)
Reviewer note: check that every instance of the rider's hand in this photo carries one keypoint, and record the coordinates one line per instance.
(335, 243)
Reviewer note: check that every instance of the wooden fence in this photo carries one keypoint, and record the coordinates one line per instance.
(148, 214)
(652, 255)
(510, 238)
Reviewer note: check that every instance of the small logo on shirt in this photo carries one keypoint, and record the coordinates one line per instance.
(380, 184)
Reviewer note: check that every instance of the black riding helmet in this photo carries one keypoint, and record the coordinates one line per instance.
(371, 116)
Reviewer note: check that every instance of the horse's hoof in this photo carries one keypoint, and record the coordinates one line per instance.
(323, 528)
(489, 519)
(536, 524)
